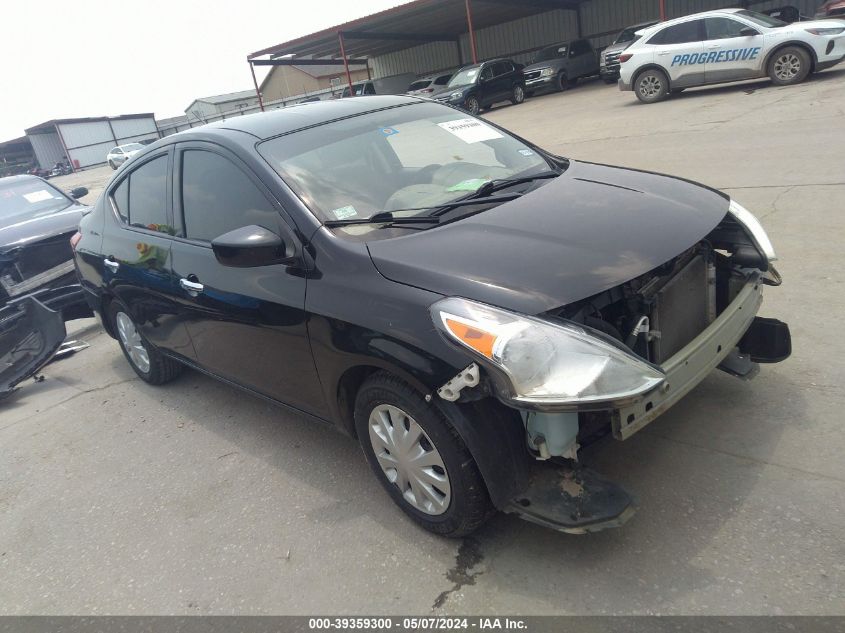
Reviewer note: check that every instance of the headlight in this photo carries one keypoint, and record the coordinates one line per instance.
(456, 95)
(545, 363)
(547, 72)
(827, 31)
(755, 229)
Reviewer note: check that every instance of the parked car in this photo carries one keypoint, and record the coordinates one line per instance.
(788, 14)
(120, 154)
(425, 86)
(728, 45)
(479, 86)
(831, 9)
(393, 85)
(560, 66)
(469, 306)
(39, 289)
(609, 63)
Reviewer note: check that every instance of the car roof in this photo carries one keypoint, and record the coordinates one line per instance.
(265, 125)
(692, 16)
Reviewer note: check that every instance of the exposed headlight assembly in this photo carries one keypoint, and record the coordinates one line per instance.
(456, 95)
(755, 229)
(547, 72)
(559, 365)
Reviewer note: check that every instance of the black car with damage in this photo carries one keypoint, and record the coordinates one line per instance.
(480, 86)
(39, 289)
(472, 308)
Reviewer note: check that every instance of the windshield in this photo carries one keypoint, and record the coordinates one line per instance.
(552, 52)
(627, 35)
(419, 85)
(465, 77)
(761, 19)
(421, 155)
(27, 199)
(131, 147)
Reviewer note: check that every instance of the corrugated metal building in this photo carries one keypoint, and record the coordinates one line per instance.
(497, 34)
(85, 142)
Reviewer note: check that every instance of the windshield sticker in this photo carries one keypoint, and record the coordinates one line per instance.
(470, 130)
(344, 213)
(473, 184)
(526, 152)
(38, 196)
(389, 131)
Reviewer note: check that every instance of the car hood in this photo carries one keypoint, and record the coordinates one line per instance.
(616, 48)
(592, 228)
(827, 23)
(445, 91)
(553, 63)
(27, 231)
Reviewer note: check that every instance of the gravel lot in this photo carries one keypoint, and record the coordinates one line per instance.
(117, 497)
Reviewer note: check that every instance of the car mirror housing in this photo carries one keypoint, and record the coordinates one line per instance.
(79, 192)
(250, 247)
(748, 31)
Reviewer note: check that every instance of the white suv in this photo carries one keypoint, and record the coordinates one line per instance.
(727, 45)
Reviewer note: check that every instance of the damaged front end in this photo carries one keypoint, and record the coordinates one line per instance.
(615, 361)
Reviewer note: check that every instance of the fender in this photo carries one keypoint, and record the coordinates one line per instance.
(650, 66)
(814, 58)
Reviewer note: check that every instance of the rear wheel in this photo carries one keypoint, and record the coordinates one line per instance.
(788, 66)
(151, 365)
(517, 95)
(562, 82)
(419, 458)
(472, 105)
(651, 86)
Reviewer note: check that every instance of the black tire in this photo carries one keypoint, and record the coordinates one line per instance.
(651, 86)
(517, 94)
(112, 165)
(563, 83)
(472, 105)
(161, 370)
(789, 65)
(469, 504)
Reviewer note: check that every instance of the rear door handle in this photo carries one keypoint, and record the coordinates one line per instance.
(193, 288)
(664, 52)
(715, 46)
(111, 264)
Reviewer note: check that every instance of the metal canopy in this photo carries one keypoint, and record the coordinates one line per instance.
(409, 25)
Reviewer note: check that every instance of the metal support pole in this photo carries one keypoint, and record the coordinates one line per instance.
(64, 146)
(662, 10)
(255, 83)
(471, 33)
(346, 63)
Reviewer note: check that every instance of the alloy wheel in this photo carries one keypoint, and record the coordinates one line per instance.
(650, 86)
(787, 67)
(132, 343)
(473, 106)
(518, 94)
(409, 459)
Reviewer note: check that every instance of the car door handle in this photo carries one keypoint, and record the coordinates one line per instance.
(111, 264)
(715, 46)
(193, 288)
(664, 52)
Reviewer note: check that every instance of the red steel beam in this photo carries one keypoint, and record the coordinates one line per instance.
(662, 10)
(471, 33)
(255, 83)
(346, 63)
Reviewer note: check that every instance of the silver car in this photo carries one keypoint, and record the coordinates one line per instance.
(120, 154)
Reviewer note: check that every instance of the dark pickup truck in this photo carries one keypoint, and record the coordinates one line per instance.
(558, 67)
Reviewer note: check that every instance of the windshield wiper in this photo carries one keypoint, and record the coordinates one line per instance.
(388, 217)
(492, 186)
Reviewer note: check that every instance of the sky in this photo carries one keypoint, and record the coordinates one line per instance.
(80, 58)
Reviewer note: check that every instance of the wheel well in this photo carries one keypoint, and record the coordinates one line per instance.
(808, 49)
(652, 67)
(104, 316)
(347, 388)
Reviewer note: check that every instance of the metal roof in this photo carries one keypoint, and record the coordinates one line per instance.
(49, 126)
(229, 96)
(409, 25)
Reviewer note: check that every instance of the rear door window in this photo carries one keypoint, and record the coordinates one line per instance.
(218, 197)
(723, 28)
(141, 197)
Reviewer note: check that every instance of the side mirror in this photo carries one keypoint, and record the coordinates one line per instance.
(79, 192)
(748, 31)
(251, 246)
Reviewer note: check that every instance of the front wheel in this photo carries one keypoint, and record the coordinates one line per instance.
(517, 95)
(651, 86)
(472, 105)
(788, 66)
(419, 458)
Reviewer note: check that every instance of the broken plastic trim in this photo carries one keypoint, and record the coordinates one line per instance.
(469, 377)
(30, 333)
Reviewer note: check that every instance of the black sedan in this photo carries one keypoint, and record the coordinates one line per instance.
(480, 86)
(472, 308)
(38, 282)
